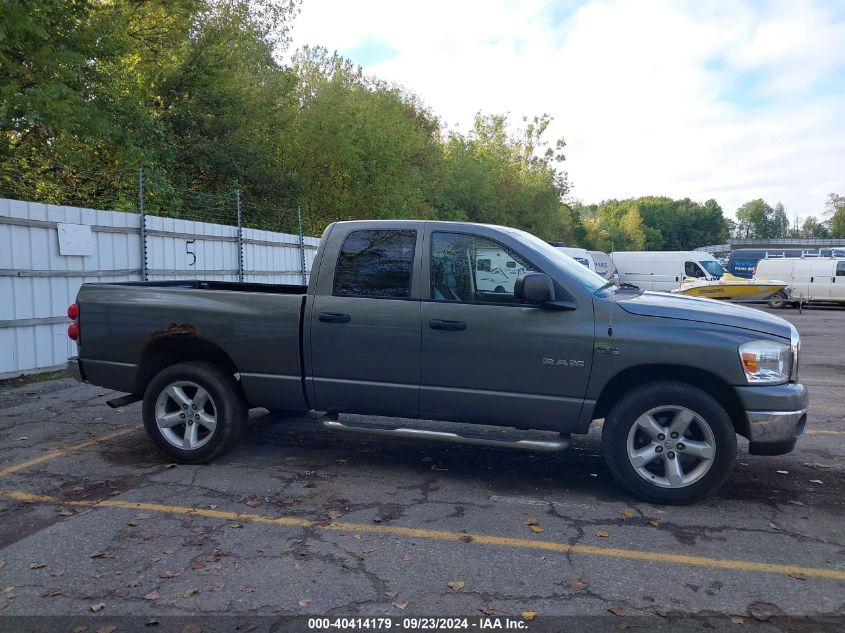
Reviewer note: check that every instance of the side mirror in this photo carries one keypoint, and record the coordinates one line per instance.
(534, 287)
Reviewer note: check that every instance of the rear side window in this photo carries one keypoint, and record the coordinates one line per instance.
(375, 263)
(840, 269)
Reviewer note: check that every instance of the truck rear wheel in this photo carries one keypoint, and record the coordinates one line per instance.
(669, 442)
(193, 412)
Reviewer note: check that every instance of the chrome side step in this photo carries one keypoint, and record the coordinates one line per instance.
(478, 439)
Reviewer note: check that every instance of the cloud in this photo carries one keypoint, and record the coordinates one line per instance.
(722, 99)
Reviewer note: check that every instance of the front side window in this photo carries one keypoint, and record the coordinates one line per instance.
(691, 269)
(472, 269)
(840, 269)
(375, 263)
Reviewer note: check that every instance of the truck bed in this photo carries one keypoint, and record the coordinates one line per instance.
(128, 329)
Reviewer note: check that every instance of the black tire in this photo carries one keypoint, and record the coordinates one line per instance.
(226, 401)
(779, 300)
(619, 430)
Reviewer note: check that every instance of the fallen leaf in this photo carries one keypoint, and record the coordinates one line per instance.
(455, 585)
(616, 610)
(65, 513)
(399, 605)
(333, 514)
(2, 563)
(782, 472)
(773, 526)
(537, 528)
(53, 591)
(466, 538)
(577, 585)
(602, 533)
(198, 564)
(357, 537)
(192, 628)
(170, 465)
(254, 503)
(153, 595)
(799, 576)
(816, 481)
(737, 620)
(190, 592)
(377, 519)
(98, 607)
(132, 523)
(108, 628)
(626, 514)
(528, 615)
(654, 523)
(305, 602)
(151, 622)
(488, 608)
(531, 521)
(37, 565)
(391, 594)
(623, 626)
(817, 466)
(134, 583)
(407, 557)
(169, 573)
(236, 526)
(760, 614)
(57, 572)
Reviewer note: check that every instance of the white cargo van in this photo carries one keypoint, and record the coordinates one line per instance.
(664, 270)
(807, 278)
(580, 255)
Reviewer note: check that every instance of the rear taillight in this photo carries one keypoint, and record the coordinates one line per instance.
(73, 328)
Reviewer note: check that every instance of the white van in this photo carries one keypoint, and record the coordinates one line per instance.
(580, 255)
(808, 279)
(664, 270)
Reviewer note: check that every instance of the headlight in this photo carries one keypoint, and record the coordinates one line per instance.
(766, 361)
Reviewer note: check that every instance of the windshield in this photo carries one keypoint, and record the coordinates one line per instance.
(713, 268)
(587, 278)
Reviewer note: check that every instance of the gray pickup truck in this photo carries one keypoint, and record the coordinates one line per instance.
(455, 322)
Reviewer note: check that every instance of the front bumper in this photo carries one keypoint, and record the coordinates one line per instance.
(776, 416)
(775, 432)
(75, 369)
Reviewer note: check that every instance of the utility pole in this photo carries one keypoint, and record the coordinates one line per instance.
(143, 224)
(240, 237)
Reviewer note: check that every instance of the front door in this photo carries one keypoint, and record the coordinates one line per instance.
(365, 326)
(487, 358)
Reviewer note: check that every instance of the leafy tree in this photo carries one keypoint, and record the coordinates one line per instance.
(835, 209)
(813, 228)
(756, 220)
(780, 222)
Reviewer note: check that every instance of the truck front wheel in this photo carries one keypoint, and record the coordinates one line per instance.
(193, 412)
(669, 442)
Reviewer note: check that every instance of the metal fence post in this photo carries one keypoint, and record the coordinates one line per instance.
(240, 237)
(143, 224)
(301, 247)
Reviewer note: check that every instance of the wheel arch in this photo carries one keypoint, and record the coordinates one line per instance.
(164, 352)
(639, 375)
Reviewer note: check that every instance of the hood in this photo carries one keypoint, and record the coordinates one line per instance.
(659, 304)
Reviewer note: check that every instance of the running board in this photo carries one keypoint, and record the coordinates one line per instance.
(478, 439)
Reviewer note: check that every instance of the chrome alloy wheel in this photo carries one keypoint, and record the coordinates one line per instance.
(671, 446)
(185, 415)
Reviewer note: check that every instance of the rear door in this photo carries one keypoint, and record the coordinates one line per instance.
(837, 291)
(487, 358)
(821, 280)
(365, 322)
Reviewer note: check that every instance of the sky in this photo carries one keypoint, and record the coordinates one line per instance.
(721, 99)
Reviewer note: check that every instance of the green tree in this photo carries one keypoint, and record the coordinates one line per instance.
(756, 220)
(835, 210)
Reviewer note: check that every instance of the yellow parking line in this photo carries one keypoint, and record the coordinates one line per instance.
(443, 535)
(64, 451)
(823, 432)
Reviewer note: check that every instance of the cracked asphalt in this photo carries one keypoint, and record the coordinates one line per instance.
(300, 521)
